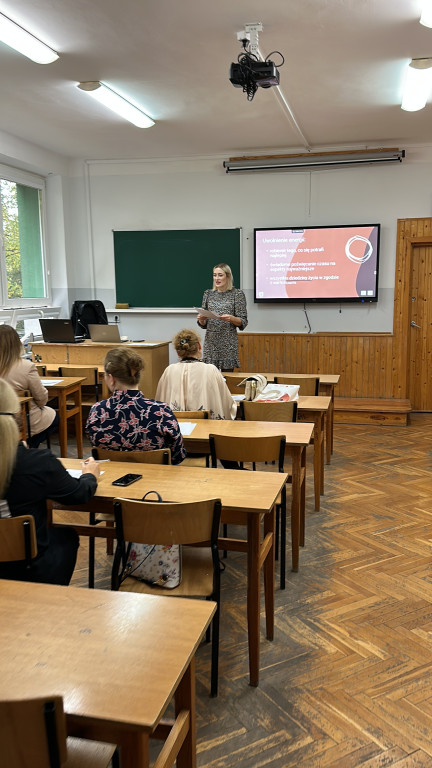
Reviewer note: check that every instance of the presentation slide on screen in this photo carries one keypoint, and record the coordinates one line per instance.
(316, 263)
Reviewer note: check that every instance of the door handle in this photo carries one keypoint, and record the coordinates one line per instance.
(414, 325)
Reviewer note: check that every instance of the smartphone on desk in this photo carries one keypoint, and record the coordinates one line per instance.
(126, 480)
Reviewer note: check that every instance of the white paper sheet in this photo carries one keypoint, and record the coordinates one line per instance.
(76, 473)
(51, 382)
(206, 313)
(186, 427)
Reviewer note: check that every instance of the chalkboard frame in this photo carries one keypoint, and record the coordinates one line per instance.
(180, 266)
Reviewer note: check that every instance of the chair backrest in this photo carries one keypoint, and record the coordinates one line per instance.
(17, 539)
(232, 383)
(33, 733)
(41, 369)
(309, 385)
(249, 449)
(90, 373)
(277, 411)
(159, 456)
(193, 522)
(23, 393)
(191, 415)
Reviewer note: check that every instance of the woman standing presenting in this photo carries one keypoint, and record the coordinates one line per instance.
(229, 303)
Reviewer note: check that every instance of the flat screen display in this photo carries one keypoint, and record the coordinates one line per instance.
(319, 264)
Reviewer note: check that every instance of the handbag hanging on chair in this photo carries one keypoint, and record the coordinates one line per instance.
(158, 565)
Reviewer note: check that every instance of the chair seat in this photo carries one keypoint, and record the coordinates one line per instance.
(195, 461)
(82, 753)
(197, 577)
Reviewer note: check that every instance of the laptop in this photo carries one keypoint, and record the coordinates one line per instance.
(57, 331)
(105, 333)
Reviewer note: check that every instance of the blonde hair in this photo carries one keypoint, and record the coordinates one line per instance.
(227, 269)
(9, 433)
(125, 365)
(186, 343)
(10, 348)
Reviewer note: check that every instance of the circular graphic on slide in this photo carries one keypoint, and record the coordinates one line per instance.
(367, 252)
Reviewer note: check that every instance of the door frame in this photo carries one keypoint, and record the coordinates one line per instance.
(410, 233)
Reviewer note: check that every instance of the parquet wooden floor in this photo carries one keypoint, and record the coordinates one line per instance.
(347, 680)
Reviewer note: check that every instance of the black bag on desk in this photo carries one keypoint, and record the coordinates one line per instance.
(85, 313)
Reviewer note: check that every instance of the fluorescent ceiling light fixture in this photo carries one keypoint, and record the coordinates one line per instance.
(426, 14)
(313, 160)
(418, 84)
(16, 37)
(116, 103)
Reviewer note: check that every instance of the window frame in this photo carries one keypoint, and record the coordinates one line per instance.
(17, 176)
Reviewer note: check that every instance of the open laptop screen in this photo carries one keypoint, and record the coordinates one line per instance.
(104, 333)
(58, 331)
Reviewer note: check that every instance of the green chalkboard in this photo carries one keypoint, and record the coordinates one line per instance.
(171, 268)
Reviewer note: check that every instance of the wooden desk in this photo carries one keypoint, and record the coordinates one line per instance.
(315, 409)
(116, 658)
(155, 357)
(67, 388)
(297, 437)
(247, 498)
(52, 370)
(328, 382)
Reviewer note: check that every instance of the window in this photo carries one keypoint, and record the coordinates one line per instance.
(23, 278)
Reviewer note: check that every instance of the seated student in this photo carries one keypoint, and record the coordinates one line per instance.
(27, 479)
(192, 385)
(127, 421)
(22, 374)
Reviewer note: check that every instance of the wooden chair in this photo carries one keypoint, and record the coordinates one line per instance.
(90, 385)
(254, 450)
(33, 734)
(232, 383)
(18, 539)
(160, 456)
(193, 415)
(188, 524)
(309, 385)
(277, 411)
(25, 433)
(194, 459)
(41, 369)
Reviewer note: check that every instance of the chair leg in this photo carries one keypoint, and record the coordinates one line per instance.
(282, 567)
(277, 532)
(225, 535)
(91, 555)
(215, 654)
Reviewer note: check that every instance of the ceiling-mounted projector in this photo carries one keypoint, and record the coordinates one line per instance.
(252, 71)
(263, 73)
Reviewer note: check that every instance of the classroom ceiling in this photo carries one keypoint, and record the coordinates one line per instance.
(342, 77)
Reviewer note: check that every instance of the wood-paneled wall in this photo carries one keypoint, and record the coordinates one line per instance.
(364, 361)
(370, 365)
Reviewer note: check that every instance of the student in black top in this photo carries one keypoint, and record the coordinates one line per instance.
(27, 478)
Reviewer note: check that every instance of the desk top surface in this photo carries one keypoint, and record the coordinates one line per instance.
(114, 657)
(62, 382)
(255, 492)
(296, 433)
(325, 378)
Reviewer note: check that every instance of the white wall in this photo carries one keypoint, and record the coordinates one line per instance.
(198, 193)
(87, 200)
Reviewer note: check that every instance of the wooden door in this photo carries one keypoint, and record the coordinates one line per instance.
(412, 318)
(420, 328)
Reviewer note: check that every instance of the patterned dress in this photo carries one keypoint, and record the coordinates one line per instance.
(221, 342)
(127, 421)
